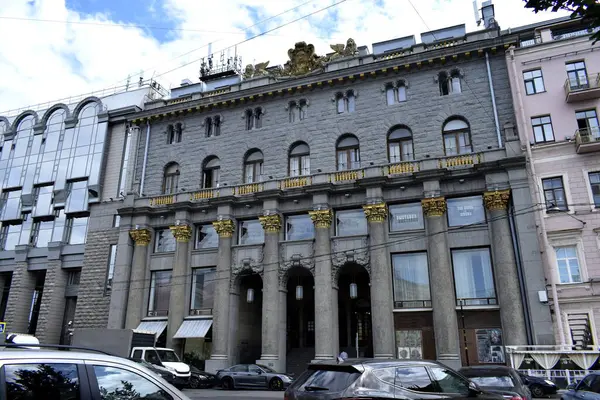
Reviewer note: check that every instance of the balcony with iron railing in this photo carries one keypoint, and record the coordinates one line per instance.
(585, 87)
(460, 164)
(587, 140)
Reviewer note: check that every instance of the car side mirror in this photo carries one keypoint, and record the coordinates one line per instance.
(473, 388)
(571, 386)
(525, 381)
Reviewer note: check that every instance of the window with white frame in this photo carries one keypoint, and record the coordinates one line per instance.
(567, 263)
(299, 163)
(400, 145)
(253, 167)
(348, 153)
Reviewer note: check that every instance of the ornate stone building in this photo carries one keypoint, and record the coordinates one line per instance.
(372, 202)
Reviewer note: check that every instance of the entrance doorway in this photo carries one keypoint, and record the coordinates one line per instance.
(247, 339)
(300, 344)
(354, 301)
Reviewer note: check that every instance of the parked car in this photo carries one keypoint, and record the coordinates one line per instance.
(539, 387)
(586, 389)
(383, 379)
(157, 369)
(498, 379)
(252, 375)
(82, 375)
(202, 379)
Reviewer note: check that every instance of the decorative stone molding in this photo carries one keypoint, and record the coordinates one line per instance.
(224, 228)
(376, 212)
(271, 223)
(435, 207)
(246, 258)
(321, 218)
(497, 200)
(141, 237)
(182, 233)
(349, 250)
(295, 254)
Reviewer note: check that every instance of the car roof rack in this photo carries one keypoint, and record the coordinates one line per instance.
(32, 346)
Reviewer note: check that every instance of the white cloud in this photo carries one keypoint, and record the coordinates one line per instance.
(46, 61)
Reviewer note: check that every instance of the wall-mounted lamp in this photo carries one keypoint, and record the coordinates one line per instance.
(353, 290)
(250, 296)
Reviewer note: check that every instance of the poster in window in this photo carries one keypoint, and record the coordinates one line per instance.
(490, 348)
(410, 344)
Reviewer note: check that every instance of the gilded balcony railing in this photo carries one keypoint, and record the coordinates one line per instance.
(587, 135)
(289, 183)
(248, 189)
(460, 161)
(343, 176)
(162, 200)
(403, 168)
(204, 194)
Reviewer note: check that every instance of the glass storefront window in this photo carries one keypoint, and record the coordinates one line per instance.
(299, 227)
(164, 241)
(251, 232)
(203, 288)
(405, 217)
(160, 291)
(411, 280)
(350, 222)
(207, 237)
(473, 277)
(466, 211)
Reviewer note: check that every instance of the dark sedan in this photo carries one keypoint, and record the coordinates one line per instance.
(201, 379)
(539, 387)
(586, 389)
(498, 379)
(252, 376)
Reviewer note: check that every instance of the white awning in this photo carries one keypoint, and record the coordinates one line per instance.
(156, 327)
(193, 328)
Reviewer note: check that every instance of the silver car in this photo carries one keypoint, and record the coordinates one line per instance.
(52, 374)
(252, 376)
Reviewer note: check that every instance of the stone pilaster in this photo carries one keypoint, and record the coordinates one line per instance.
(141, 238)
(443, 299)
(325, 326)
(19, 299)
(177, 306)
(119, 292)
(505, 270)
(271, 315)
(220, 350)
(52, 308)
(382, 306)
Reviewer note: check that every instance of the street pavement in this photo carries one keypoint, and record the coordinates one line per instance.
(220, 394)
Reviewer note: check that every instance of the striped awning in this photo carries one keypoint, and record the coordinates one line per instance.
(156, 327)
(193, 328)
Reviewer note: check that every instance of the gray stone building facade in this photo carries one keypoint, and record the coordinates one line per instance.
(57, 218)
(372, 202)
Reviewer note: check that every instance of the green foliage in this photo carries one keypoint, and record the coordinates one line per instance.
(588, 10)
(194, 359)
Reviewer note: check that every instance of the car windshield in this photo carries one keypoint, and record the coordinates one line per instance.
(493, 381)
(167, 356)
(265, 368)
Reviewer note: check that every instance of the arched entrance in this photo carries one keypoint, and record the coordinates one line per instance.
(247, 334)
(300, 343)
(354, 305)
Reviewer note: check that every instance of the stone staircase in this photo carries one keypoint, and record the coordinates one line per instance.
(297, 359)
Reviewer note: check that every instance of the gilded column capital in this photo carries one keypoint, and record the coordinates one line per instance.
(435, 207)
(271, 223)
(141, 237)
(224, 228)
(376, 212)
(321, 218)
(182, 233)
(496, 200)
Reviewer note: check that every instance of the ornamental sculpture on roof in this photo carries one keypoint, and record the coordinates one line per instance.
(302, 60)
(340, 50)
(259, 69)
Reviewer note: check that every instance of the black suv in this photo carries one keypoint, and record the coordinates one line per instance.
(383, 379)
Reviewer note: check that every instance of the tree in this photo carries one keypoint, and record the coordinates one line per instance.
(588, 10)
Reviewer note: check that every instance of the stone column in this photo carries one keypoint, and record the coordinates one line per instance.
(382, 305)
(220, 349)
(270, 304)
(141, 238)
(324, 323)
(52, 308)
(119, 292)
(505, 270)
(177, 306)
(441, 281)
(19, 299)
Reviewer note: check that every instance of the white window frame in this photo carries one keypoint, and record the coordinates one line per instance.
(568, 239)
(566, 186)
(567, 328)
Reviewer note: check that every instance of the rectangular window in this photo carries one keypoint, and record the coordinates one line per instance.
(42, 233)
(466, 211)
(77, 199)
(164, 241)
(473, 277)
(59, 225)
(77, 230)
(203, 288)
(160, 291)
(457, 143)
(116, 221)
(112, 260)
(406, 217)
(554, 193)
(251, 232)
(74, 277)
(567, 263)
(577, 75)
(43, 201)
(390, 95)
(206, 237)
(299, 227)
(12, 205)
(542, 129)
(534, 81)
(10, 236)
(587, 124)
(350, 222)
(595, 186)
(411, 280)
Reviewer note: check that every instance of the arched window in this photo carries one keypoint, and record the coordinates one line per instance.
(299, 159)
(395, 93)
(449, 84)
(455, 86)
(253, 166)
(443, 81)
(345, 102)
(293, 110)
(348, 153)
(210, 172)
(171, 179)
(400, 145)
(457, 137)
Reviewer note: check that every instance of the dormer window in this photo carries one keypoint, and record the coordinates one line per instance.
(345, 102)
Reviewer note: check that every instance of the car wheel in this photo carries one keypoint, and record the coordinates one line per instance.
(227, 383)
(194, 382)
(537, 391)
(276, 384)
